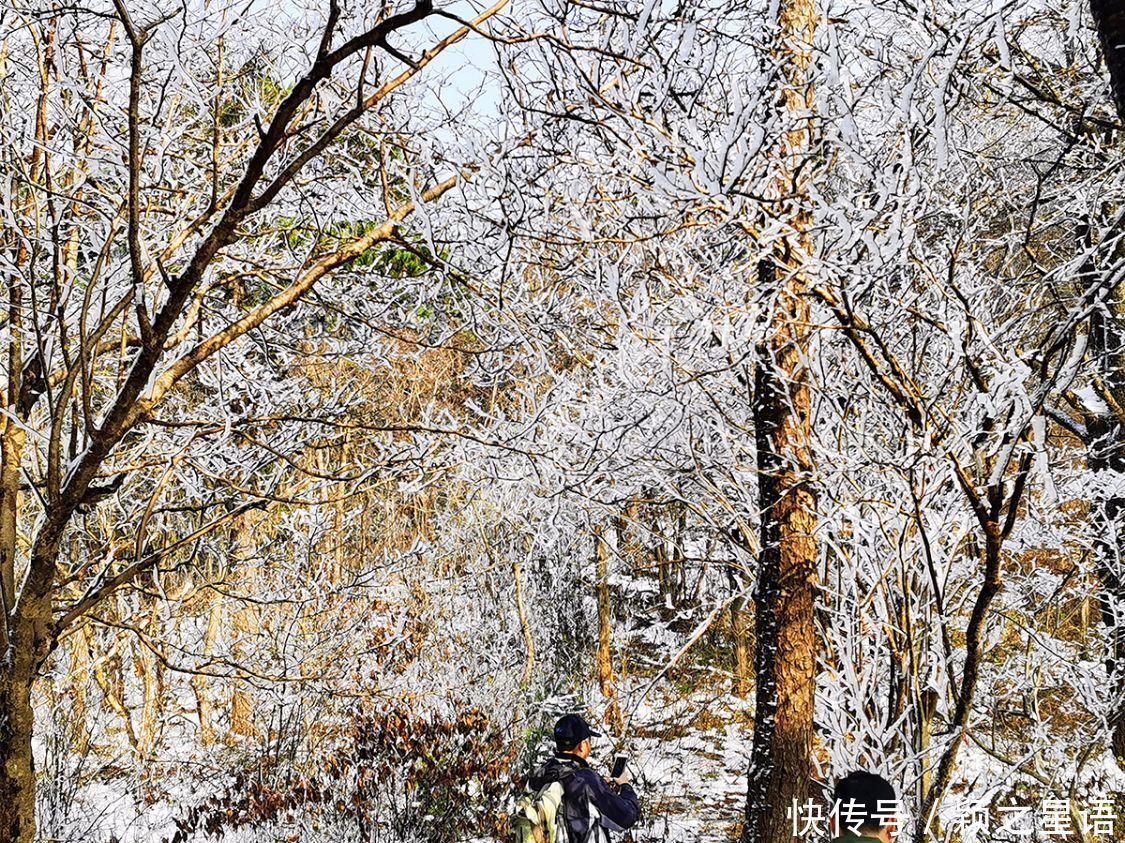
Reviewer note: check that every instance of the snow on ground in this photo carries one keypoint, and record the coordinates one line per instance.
(689, 757)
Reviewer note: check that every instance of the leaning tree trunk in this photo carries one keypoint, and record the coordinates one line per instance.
(925, 827)
(785, 640)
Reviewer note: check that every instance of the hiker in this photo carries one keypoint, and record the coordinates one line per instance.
(864, 809)
(592, 806)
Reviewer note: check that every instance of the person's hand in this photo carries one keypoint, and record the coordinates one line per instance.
(625, 778)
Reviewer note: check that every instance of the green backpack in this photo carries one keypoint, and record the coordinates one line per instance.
(538, 817)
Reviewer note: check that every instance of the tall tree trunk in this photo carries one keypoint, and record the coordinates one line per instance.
(1105, 451)
(17, 775)
(740, 635)
(200, 686)
(151, 673)
(245, 627)
(17, 724)
(1109, 15)
(785, 642)
(20, 632)
(605, 631)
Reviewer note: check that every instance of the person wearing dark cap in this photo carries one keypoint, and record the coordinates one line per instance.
(592, 805)
(864, 809)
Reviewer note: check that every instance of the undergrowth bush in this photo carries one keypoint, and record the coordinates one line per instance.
(400, 774)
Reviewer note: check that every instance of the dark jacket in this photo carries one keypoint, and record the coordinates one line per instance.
(585, 788)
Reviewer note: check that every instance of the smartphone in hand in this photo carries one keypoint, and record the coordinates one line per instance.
(619, 766)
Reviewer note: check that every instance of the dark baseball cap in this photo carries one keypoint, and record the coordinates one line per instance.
(571, 730)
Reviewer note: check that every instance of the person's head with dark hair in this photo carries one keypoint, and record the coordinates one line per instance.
(864, 808)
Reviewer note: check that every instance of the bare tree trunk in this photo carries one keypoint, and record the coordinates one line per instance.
(30, 644)
(17, 773)
(605, 631)
(242, 700)
(1109, 15)
(151, 673)
(23, 632)
(785, 642)
(974, 635)
(245, 626)
(740, 636)
(204, 704)
(525, 625)
(628, 538)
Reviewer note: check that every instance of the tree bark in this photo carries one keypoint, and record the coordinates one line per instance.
(245, 627)
(525, 626)
(200, 686)
(628, 538)
(605, 631)
(741, 637)
(151, 673)
(1109, 15)
(17, 776)
(785, 642)
(17, 721)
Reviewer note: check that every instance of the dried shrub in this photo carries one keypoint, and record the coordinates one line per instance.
(396, 775)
